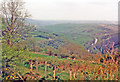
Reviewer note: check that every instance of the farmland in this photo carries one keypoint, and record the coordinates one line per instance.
(80, 70)
(59, 52)
(56, 50)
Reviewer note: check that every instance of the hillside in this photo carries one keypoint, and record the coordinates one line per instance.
(83, 33)
(80, 69)
(60, 52)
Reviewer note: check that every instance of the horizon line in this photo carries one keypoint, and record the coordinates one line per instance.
(72, 20)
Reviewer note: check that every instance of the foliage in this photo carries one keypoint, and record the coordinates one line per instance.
(10, 58)
(14, 27)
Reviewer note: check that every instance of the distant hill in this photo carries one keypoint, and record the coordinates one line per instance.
(52, 22)
(78, 32)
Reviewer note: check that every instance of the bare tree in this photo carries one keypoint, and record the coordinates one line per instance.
(13, 17)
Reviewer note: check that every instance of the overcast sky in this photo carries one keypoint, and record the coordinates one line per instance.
(73, 9)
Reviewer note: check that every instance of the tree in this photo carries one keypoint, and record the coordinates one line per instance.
(14, 20)
(70, 49)
(14, 32)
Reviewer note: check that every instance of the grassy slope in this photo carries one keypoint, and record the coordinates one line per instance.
(77, 33)
(91, 68)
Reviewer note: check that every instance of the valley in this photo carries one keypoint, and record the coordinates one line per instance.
(83, 33)
(61, 41)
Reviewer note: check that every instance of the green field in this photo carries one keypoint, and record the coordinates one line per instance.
(77, 33)
(86, 70)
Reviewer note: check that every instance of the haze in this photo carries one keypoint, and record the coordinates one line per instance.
(73, 9)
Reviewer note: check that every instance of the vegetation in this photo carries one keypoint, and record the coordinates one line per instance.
(75, 32)
(56, 54)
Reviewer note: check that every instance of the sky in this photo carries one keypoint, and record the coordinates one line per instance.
(73, 9)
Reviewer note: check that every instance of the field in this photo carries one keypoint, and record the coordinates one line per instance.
(66, 69)
(75, 32)
(83, 34)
